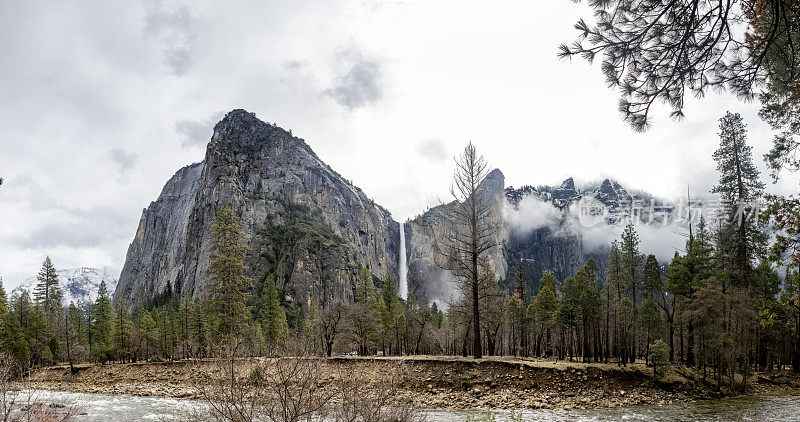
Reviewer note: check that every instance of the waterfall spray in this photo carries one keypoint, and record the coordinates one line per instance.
(403, 270)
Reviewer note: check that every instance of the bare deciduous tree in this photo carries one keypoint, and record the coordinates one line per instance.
(20, 401)
(468, 232)
(330, 323)
(295, 388)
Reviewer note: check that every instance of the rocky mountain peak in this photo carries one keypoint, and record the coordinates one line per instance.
(494, 183)
(496, 174)
(241, 131)
(565, 193)
(610, 193)
(275, 182)
(240, 124)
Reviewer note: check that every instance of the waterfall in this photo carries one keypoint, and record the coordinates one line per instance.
(403, 270)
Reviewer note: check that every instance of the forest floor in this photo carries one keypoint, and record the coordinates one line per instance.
(435, 382)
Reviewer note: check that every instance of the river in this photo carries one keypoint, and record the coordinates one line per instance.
(101, 407)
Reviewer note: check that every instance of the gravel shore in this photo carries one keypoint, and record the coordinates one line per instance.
(426, 382)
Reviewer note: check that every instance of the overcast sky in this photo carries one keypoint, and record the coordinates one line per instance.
(103, 101)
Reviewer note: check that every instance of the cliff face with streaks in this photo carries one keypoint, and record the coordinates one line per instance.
(305, 224)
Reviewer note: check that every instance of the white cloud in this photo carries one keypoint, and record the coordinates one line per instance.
(176, 31)
(360, 81)
(530, 214)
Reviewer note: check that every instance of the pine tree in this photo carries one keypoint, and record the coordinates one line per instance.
(201, 327)
(228, 285)
(149, 329)
(3, 301)
(567, 314)
(652, 277)
(650, 322)
(545, 305)
(391, 304)
(46, 289)
(631, 267)
(12, 339)
(739, 188)
(75, 333)
(613, 292)
(184, 328)
(122, 331)
(384, 323)
(276, 329)
(686, 273)
(36, 334)
(103, 324)
(71, 337)
(364, 317)
(588, 302)
(398, 317)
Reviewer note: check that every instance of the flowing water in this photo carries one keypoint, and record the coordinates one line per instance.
(101, 407)
(403, 270)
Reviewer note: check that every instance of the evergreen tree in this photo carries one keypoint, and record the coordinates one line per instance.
(545, 307)
(567, 314)
(385, 322)
(46, 290)
(12, 339)
(631, 266)
(122, 331)
(398, 321)
(103, 324)
(74, 334)
(3, 301)
(276, 329)
(589, 302)
(652, 277)
(739, 188)
(228, 285)
(613, 287)
(650, 322)
(37, 336)
(665, 50)
(201, 328)
(149, 329)
(686, 273)
(364, 316)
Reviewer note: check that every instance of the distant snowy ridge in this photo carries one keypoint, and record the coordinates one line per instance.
(79, 285)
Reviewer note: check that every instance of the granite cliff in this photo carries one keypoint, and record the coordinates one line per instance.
(305, 224)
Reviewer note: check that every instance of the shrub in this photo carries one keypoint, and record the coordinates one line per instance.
(659, 352)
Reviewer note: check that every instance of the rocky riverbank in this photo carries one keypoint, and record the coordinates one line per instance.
(422, 382)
